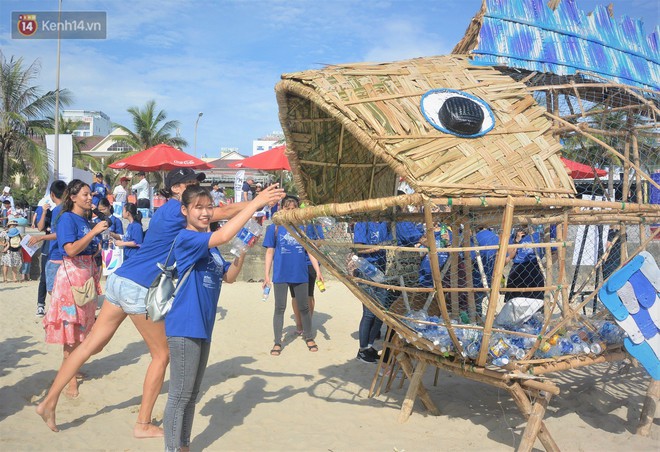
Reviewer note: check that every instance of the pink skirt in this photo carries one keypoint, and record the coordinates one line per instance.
(66, 322)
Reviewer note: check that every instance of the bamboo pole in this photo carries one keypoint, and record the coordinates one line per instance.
(562, 233)
(497, 276)
(472, 307)
(453, 274)
(638, 181)
(526, 408)
(437, 277)
(423, 395)
(649, 409)
(570, 363)
(411, 394)
(534, 423)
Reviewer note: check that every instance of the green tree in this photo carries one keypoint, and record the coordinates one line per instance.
(22, 109)
(150, 128)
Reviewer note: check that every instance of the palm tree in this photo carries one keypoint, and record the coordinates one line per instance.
(22, 107)
(148, 129)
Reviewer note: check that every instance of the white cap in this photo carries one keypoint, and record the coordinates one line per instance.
(355, 257)
(6, 189)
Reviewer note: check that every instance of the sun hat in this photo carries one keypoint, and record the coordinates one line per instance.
(124, 179)
(6, 189)
(181, 175)
(13, 232)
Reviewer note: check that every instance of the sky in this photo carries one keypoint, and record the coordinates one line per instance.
(224, 57)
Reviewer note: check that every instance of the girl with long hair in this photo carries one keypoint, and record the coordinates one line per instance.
(190, 322)
(288, 260)
(134, 235)
(66, 323)
(126, 290)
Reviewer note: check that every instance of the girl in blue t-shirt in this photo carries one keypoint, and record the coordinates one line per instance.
(67, 323)
(189, 324)
(134, 235)
(289, 261)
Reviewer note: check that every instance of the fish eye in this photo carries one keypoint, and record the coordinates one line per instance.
(457, 113)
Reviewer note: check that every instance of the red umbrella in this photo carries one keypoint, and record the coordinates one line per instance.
(161, 157)
(271, 160)
(582, 171)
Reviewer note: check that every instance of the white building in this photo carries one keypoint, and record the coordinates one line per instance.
(266, 143)
(93, 123)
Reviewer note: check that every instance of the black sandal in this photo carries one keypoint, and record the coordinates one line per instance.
(276, 351)
(313, 347)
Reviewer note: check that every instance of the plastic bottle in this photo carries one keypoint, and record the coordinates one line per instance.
(326, 223)
(473, 349)
(498, 347)
(598, 347)
(501, 361)
(368, 270)
(321, 285)
(264, 297)
(246, 237)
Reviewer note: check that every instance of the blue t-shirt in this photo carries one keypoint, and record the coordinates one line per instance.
(313, 232)
(485, 237)
(372, 233)
(425, 276)
(194, 307)
(116, 225)
(290, 259)
(55, 252)
(72, 227)
(164, 226)
(99, 190)
(528, 254)
(408, 233)
(134, 233)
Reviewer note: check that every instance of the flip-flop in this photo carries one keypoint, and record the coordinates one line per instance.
(311, 348)
(627, 296)
(645, 355)
(654, 312)
(619, 278)
(621, 315)
(645, 323)
(651, 270)
(276, 351)
(644, 290)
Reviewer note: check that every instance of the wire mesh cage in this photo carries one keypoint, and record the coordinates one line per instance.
(526, 220)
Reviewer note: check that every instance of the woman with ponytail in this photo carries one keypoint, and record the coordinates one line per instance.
(126, 291)
(67, 323)
(134, 235)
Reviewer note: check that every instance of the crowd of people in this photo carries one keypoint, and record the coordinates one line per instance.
(78, 222)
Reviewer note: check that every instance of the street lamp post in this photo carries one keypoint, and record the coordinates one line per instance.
(199, 115)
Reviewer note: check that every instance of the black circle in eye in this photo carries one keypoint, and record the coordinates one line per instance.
(461, 115)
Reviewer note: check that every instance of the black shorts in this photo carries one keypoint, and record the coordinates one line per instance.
(311, 280)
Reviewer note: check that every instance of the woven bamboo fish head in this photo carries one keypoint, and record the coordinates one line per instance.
(354, 131)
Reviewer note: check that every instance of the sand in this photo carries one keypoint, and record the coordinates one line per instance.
(297, 401)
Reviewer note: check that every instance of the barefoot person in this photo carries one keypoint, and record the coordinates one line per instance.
(67, 323)
(189, 324)
(125, 297)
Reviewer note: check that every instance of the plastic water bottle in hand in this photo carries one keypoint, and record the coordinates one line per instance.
(264, 297)
(245, 238)
(369, 270)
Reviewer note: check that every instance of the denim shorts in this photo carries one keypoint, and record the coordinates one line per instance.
(126, 294)
(51, 271)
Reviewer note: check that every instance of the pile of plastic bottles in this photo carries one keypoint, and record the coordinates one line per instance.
(504, 348)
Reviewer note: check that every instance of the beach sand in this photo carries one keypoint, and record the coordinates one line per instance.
(297, 401)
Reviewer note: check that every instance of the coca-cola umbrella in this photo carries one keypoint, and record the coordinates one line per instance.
(161, 157)
(270, 160)
(582, 171)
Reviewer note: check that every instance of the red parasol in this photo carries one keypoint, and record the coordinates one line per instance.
(161, 157)
(582, 171)
(271, 160)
